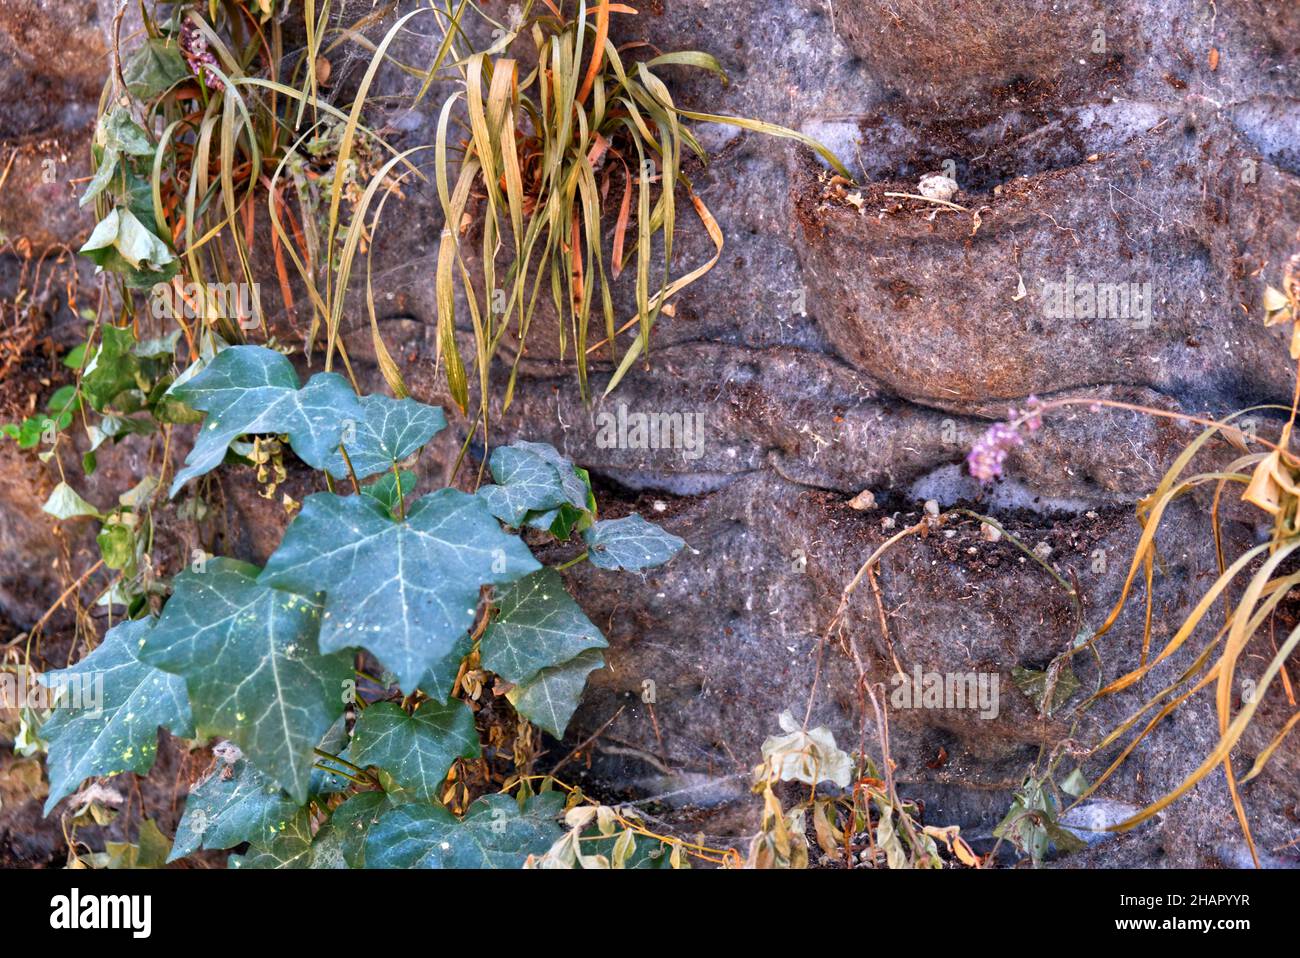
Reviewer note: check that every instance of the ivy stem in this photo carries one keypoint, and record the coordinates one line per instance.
(401, 499)
(356, 486)
(321, 753)
(354, 779)
(356, 774)
(572, 562)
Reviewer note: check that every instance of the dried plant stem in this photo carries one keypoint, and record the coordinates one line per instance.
(58, 603)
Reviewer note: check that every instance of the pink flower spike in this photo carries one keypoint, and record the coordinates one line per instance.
(987, 456)
(1035, 419)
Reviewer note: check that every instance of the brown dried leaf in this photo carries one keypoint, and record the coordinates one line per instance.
(1264, 490)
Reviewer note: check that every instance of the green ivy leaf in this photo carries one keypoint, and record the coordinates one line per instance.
(327, 849)
(249, 657)
(115, 428)
(417, 750)
(343, 837)
(103, 176)
(138, 496)
(406, 591)
(28, 433)
(76, 356)
(1028, 822)
(155, 68)
(630, 543)
(65, 503)
(559, 522)
(577, 485)
(1066, 841)
(129, 241)
(569, 518)
(1075, 783)
(388, 431)
(551, 697)
(159, 347)
(63, 400)
(526, 483)
(493, 834)
(440, 679)
(538, 626)
(112, 369)
(116, 544)
(119, 133)
(115, 136)
(1033, 684)
(252, 389)
(291, 847)
(335, 742)
(120, 238)
(384, 490)
(235, 803)
(121, 734)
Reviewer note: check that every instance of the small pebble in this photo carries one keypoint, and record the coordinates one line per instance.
(936, 186)
(863, 501)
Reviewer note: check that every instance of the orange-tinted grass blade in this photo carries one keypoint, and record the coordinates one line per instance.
(1227, 742)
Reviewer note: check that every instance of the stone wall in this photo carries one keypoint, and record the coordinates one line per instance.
(849, 340)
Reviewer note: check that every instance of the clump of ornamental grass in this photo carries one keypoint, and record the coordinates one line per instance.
(583, 145)
(206, 127)
(1261, 576)
(200, 131)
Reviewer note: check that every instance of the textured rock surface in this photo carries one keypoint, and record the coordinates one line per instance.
(837, 348)
(53, 62)
(957, 55)
(1132, 222)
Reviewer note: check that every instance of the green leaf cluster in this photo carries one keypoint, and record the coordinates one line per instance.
(128, 239)
(311, 773)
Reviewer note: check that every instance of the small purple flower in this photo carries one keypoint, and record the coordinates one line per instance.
(194, 47)
(1034, 412)
(987, 456)
(1031, 416)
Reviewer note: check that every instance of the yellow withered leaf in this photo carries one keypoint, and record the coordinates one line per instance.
(1270, 480)
(1274, 301)
(829, 837)
(1264, 490)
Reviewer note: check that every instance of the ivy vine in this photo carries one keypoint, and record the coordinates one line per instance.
(311, 772)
